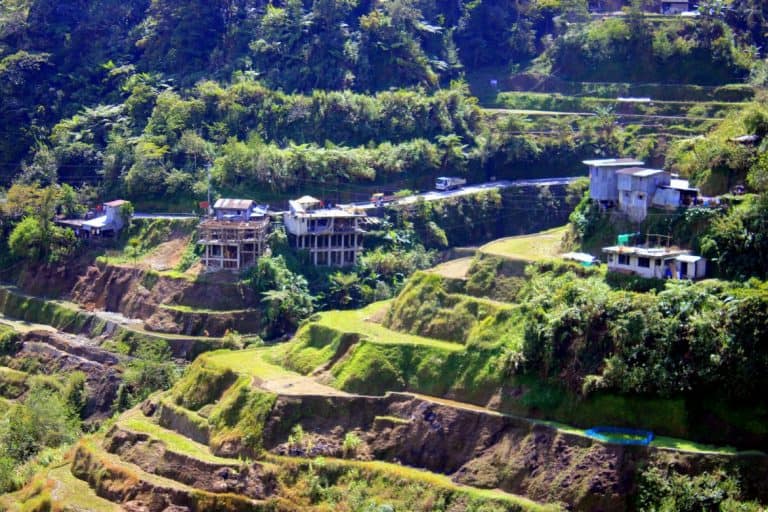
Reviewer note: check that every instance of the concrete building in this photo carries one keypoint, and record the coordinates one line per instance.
(235, 236)
(655, 262)
(636, 188)
(332, 236)
(603, 182)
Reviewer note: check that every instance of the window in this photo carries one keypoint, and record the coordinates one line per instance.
(623, 259)
(658, 263)
(641, 197)
(644, 262)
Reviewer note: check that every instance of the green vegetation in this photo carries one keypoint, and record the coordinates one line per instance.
(357, 485)
(670, 490)
(41, 421)
(618, 49)
(183, 101)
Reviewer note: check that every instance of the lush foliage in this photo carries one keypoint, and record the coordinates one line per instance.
(43, 420)
(685, 339)
(717, 163)
(669, 490)
(632, 48)
(285, 294)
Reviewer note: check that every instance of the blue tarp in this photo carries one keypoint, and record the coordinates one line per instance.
(642, 437)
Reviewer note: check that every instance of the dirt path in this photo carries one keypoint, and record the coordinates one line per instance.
(298, 385)
(454, 269)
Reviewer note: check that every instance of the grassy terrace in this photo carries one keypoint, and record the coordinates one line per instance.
(75, 493)
(56, 489)
(250, 362)
(454, 269)
(189, 309)
(365, 322)
(135, 421)
(400, 473)
(527, 248)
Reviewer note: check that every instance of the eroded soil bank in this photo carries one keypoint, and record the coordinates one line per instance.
(476, 448)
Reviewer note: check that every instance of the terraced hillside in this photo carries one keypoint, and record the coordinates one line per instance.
(410, 403)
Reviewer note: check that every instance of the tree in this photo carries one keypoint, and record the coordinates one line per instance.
(38, 240)
(75, 393)
(26, 240)
(344, 289)
(43, 420)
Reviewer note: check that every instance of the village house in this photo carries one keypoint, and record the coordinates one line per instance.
(603, 182)
(655, 262)
(234, 237)
(108, 224)
(332, 235)
(622, 183)
(636, 187)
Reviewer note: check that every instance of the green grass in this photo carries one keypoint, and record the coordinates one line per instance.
(13, 383)
(250, 362)
(690, 446)
(359, 321)
(189, 309)
(75, 494)
(528, 248)
(392, 419)
(555, 102)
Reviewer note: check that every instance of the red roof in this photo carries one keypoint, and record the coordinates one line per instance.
(116, 203)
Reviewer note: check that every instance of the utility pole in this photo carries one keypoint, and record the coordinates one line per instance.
(208, 168)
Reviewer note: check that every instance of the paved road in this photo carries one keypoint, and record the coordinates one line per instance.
(165, 216)
(526, 112)
(435, 195)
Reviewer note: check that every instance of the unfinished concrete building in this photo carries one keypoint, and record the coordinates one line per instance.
(234, 237)
(332, 236)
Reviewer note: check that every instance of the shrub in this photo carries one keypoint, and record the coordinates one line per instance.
(350, 445)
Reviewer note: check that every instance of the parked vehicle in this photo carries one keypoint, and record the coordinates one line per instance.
(381, 198)
(449, 183)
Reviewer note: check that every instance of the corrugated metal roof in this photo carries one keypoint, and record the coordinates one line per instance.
(233, 204)
(614, 162)
(308, 200)
(116, 203)
(689, 258)
(639, 172)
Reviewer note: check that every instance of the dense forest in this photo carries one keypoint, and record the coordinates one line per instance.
(137, 97)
